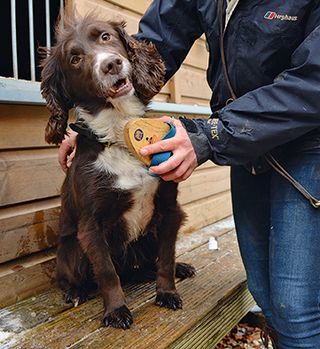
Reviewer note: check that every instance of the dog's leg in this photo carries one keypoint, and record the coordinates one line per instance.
(74, 273)
(93, 242)
(167, 295)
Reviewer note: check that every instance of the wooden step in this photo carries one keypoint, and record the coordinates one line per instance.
(213, 301)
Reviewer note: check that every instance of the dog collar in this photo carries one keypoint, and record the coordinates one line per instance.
(84, 130)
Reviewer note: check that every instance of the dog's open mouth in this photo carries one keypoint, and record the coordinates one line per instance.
(121, 88)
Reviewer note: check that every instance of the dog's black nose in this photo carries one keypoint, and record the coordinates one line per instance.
(111, 66)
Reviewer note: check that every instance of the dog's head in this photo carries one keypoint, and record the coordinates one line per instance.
(93, 63)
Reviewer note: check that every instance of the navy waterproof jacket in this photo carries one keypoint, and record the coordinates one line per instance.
(273, 55)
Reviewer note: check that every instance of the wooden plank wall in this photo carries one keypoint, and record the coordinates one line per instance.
(30, 177)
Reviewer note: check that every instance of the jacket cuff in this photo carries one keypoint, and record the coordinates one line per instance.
(198, 139)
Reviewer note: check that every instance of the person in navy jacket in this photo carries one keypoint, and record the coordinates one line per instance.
(272, 50)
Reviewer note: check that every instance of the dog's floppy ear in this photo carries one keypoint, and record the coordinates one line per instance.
(58, 101)
(148, 67)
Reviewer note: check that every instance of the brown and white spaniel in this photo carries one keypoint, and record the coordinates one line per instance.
(117, 222)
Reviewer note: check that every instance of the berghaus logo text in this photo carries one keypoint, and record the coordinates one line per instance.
(273, 15)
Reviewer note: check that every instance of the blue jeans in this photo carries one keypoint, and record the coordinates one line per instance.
(279, 237)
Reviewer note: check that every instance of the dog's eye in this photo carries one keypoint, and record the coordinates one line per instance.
(75, 60)
(105, 36)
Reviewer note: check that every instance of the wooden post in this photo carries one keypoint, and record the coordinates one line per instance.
(175, 93)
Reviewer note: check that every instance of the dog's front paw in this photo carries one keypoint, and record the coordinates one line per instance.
(169, 300)
(119, 318)
(184, 270)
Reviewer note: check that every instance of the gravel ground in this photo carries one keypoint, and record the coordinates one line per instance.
(242, 336)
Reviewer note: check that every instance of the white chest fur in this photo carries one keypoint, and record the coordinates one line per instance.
(131, 175)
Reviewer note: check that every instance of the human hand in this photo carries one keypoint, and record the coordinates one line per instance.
(67, 150)
(183, 161)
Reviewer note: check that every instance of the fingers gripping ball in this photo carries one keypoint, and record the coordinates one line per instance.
(141, 132)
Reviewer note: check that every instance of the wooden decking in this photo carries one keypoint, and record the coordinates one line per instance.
(214, 300)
